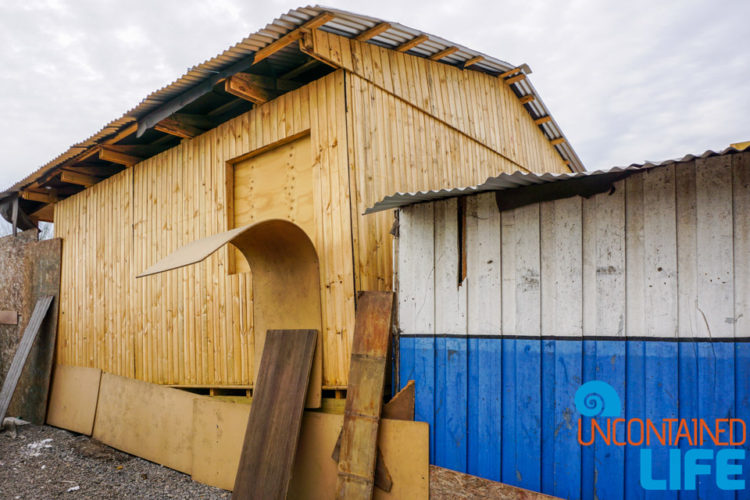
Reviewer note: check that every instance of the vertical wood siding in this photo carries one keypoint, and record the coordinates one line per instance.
(193, 326)
(386, 122)
(645, 288)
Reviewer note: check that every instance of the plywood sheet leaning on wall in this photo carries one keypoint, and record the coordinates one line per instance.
(219, 427)
(73, 398)
(147, 420)
(218, 431)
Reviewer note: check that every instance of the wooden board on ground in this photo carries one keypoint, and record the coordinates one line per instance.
(273, 425)
(22, 353)
(73, 398)
(446, 484)
(364, 399)
(217, 437)
(147, 420)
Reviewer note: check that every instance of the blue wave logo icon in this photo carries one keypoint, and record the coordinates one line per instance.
(597, 398)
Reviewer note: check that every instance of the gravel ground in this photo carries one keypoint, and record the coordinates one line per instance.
(45, 462)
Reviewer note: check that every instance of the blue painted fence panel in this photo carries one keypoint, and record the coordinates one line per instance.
(504, 409)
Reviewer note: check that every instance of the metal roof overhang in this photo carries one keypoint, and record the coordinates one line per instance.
(520, 188)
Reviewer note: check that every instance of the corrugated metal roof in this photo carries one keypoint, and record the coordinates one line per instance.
(344, 23)
(519, 179)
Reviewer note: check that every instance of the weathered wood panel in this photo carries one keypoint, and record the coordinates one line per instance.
(644, 287)
(30, 269)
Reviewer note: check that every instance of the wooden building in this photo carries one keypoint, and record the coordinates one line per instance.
(311, 120)
(636, 277)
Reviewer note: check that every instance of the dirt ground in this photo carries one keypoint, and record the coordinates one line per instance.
(45, 462)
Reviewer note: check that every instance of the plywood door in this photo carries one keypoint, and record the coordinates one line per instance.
(277, 184)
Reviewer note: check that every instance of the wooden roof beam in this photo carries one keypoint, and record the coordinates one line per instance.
(555, 142)
(244, 86)
(78, 178)
(373, 32)
(110, 154)
(44, 214)
(300, 69)
(178, 127)
(474, 60)
(443, 53)
(38, 196)
(126, 132)
(291, 37)
(527, 99)
(514, 79)
(543, 119)
(410, 44)
(524, 68)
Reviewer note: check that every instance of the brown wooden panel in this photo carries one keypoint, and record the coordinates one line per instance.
(273, 426)
(8, 318)
(372, 331)
(401, 406)
(73, 398)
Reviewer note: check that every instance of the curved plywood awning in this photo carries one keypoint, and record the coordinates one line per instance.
(286, 281)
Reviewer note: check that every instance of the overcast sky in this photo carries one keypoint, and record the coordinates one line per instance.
(627, 81)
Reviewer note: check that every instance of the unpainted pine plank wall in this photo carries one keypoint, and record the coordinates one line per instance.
(415, 124)
(193, 326)
(566, 291)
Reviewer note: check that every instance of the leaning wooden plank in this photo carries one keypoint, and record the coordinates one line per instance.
(450, 485)
(273, 426)
(400, 407)
(19, 360)
(372, 331)
(147, 420)
(73, 398)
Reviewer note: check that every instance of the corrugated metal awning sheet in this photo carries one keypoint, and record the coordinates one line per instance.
(521, 179)
(344, 23)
